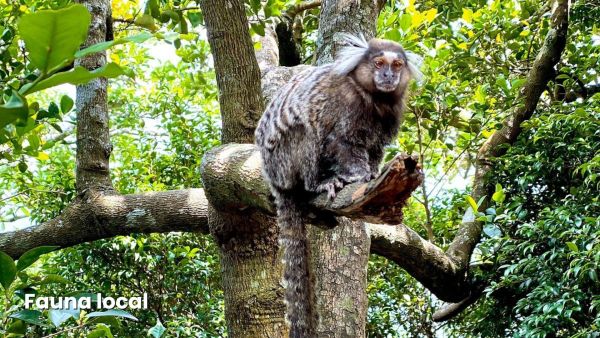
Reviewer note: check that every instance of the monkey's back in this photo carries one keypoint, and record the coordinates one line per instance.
(302, 125)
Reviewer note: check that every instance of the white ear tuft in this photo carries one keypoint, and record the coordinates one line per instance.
(415, 61)
(350, 55)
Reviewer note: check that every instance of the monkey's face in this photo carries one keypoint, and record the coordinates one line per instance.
(388, 68)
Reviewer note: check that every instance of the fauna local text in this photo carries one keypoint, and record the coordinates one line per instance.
(96, 301)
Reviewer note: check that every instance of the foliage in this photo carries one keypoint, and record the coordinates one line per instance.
(18, 281)
(540, 252)
(52, 39)
(545, 254)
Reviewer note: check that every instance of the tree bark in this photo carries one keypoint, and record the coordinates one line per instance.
(339, 256)
(99, 216)
(247, 240)
(238, 76)
(93, 138)
(344, 16)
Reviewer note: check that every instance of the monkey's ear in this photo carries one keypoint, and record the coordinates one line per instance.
(350, 55)
(415, 61)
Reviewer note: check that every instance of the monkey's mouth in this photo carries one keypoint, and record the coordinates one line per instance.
(386, 87)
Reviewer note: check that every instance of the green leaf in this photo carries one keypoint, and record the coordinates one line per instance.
(15, 110)
(158, 330)
(146, 21)
(52, 279)
(100, 331)
(66, 104)
(59, 317)
(32, 256)
(18, 327)
(113, 313)
(405, 21)
(53, 36)
(498, 195)
(152, 8)
(102, 46)
(8, 270)
(572, 246)
(473, 204)
(30, 316)
(79, 75)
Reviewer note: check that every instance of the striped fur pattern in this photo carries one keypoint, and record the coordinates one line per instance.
(327, 127)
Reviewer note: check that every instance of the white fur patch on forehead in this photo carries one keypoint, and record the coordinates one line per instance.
(390, 57)
(350, 55)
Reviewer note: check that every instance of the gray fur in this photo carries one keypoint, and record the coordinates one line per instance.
(327, 127)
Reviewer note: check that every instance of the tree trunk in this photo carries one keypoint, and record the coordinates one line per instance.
(339, 256)
(250, 260)
(93, 139)
(238, 76)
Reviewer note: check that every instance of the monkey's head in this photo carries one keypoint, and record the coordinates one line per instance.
(378, 65)
(386, 63)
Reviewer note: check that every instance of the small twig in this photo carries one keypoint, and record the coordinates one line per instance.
(66, 330)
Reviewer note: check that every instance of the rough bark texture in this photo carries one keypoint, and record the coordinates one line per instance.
(93, 139)
(342, 280)
(340, 270)
(247, 240)
(100, 216)
(350, 16)
(236, 68)
(251, 273)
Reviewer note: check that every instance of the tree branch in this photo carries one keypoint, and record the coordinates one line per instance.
(542, 71)
(236, 69)
(97, 216)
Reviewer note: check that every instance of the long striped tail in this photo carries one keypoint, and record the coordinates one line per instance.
(296, 277)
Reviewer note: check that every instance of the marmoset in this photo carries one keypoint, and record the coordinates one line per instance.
(327, 127)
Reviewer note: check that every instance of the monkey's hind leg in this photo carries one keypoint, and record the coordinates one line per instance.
(353, 164)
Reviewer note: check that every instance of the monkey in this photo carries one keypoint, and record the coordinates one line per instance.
(326, 128)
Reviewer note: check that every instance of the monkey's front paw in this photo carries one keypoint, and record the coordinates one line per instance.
(330, 186)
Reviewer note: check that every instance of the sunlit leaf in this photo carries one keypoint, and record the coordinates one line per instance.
(53, 36)
(79, 75)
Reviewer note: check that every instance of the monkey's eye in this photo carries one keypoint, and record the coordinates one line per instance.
(378, 63)
(397, 64)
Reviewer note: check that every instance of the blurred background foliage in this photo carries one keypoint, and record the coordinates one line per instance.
(540, 255)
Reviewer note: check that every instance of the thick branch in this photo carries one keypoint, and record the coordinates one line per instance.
(97, 216)
(233, 172)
